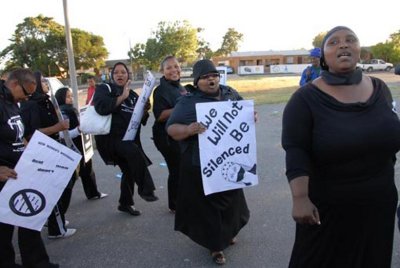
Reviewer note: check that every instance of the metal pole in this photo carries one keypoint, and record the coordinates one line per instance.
(70, 52)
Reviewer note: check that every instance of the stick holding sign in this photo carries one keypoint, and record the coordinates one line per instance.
(139, 107)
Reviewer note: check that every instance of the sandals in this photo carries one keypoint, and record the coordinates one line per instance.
(218, 257)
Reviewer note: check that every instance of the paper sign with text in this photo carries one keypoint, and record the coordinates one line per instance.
(44, 170)
(139, 107)
(228, 150)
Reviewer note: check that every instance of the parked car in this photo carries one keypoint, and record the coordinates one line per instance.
(229, 70)
(187, 72)
(375, 65)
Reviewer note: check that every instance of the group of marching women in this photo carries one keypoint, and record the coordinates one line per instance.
(341, 133)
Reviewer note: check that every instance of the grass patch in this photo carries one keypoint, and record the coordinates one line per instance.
(395, 91)
(267, 90)
(269, 96)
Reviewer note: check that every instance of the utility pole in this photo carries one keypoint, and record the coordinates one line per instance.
(70, 52)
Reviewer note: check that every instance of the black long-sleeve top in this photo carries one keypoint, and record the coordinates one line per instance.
(105, 103)
(38, 112)
(11, 129)
(347, 150)
(165, 97)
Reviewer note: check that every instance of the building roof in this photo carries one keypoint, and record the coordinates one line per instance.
(298, 52)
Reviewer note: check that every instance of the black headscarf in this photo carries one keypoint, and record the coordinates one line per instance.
(351, 78)
(39, 94)
(113, 69)
(61, 94)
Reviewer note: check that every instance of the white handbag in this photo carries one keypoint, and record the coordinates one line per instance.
(93, 123)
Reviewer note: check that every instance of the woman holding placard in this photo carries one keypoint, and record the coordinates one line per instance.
(214, 220)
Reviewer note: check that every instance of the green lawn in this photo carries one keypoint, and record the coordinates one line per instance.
(266, 89)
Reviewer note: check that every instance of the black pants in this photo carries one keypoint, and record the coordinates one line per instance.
(33, 252)
(56, 221)
(88, 178)
(130, 159)
(170, 151)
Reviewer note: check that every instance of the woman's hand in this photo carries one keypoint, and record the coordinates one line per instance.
(195, 128)
(6, 173)
(63, 125)
(127, 89)
(147, 106)
(304, 211)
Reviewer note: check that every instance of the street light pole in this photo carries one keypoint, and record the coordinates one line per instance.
(70, 53)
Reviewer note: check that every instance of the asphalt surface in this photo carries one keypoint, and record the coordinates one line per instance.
(106, 237)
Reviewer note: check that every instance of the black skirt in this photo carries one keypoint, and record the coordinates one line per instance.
(213, 220)
(350, 236)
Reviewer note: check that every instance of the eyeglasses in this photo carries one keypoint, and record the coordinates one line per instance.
(24, 90)
(212, 75)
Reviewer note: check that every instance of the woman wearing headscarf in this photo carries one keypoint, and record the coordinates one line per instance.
(341, 134)
(38, 113)
(165, 97)
(65, 100)
(118, 99)
(214, 220)
(312, 71)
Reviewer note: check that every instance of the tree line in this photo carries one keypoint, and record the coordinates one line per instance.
(39, 43)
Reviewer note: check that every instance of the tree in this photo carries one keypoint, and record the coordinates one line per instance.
(39, 43)
(230, 42)
(382, 50)
(317, 41)
(203, 49)
(176, 38)
(389, 50)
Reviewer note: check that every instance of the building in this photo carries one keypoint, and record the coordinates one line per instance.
(266, 59)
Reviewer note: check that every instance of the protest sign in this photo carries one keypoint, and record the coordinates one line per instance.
(139, 107)
(228, 151)
(87, 143)
(44, 170)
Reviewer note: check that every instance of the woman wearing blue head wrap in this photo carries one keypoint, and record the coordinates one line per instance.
(341, 134)
(311, 72)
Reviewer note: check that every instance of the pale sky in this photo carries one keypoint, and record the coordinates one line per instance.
(266, 25)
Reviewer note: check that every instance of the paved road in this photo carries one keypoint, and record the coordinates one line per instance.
(108, 238)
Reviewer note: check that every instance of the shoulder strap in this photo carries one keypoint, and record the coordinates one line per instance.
(109, 89)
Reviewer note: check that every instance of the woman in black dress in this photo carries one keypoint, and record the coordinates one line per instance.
(118, 99)
(214, 220)
(341, 134)
(165, 97)
(65, 100)
(38, 113)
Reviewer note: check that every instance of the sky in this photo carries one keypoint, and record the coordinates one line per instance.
(265, 25)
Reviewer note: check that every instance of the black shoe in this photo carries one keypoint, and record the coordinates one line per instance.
(129, 209)
(149, 198)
